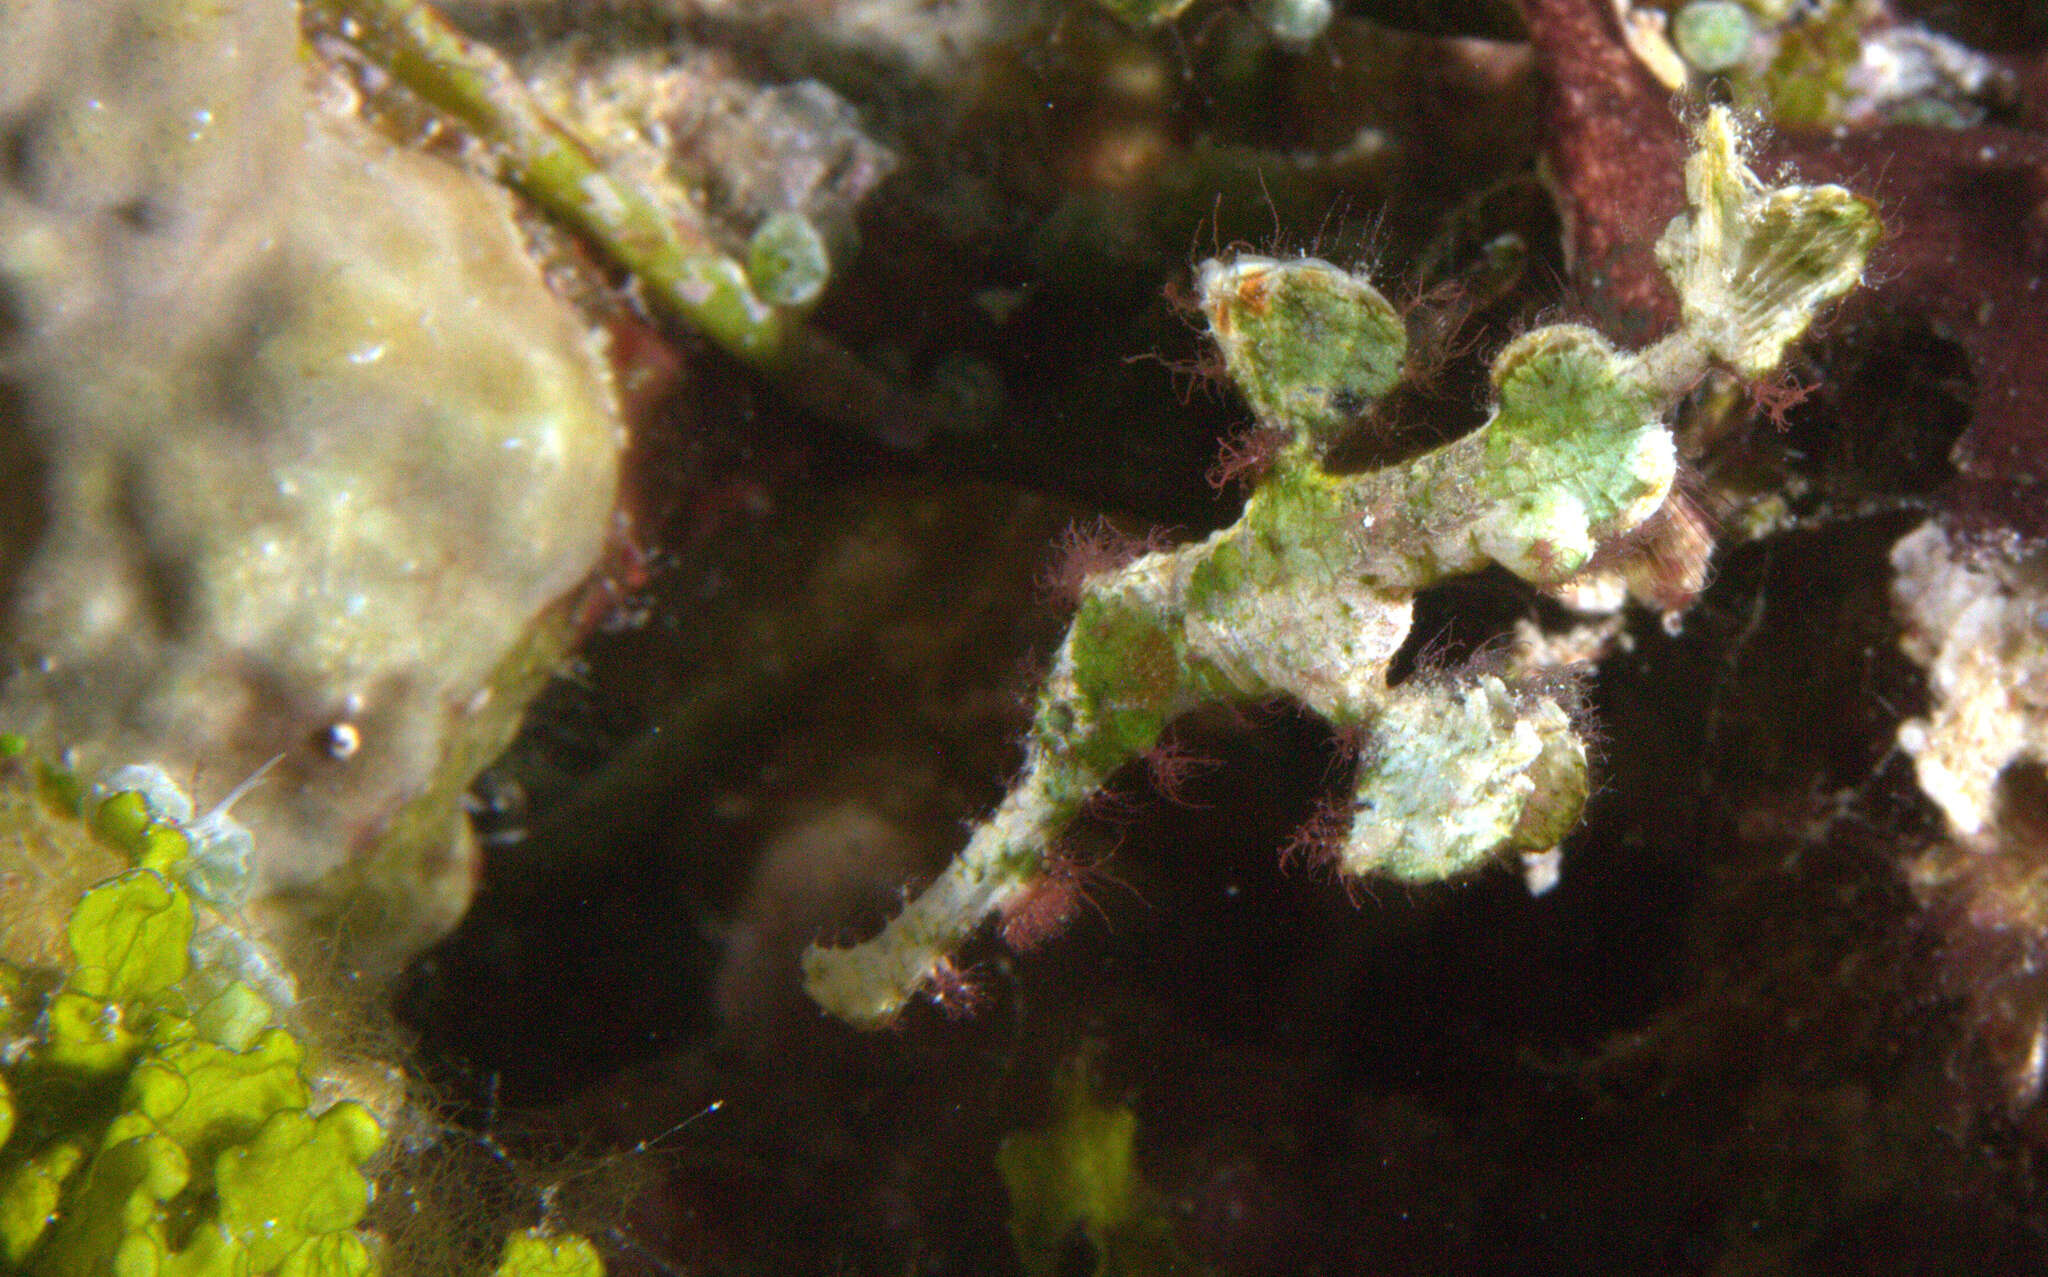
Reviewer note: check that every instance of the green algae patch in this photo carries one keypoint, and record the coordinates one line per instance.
(86, 1036)
(296, 1181)
(207, 1097)
(1079, 1174)
(29, 1194)
(157, 1113)
(140, 1145)
(1309, 345)
(129, 937)
(532, 1253)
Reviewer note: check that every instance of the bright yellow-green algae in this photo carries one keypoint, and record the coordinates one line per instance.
(156, 1111)
(533, 1253)
(160, 1118)
(1080, 1172)
(1308, 595)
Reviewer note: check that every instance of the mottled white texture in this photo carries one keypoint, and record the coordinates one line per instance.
(1449, 774)
(1980, 628)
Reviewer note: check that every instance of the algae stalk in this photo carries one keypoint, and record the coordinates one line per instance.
(680, 274)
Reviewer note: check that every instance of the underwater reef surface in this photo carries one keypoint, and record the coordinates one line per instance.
(1774, 1003)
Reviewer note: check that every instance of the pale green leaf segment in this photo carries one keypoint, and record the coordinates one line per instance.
(1308, 595)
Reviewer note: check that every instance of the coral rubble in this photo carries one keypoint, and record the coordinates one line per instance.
(1980, 627)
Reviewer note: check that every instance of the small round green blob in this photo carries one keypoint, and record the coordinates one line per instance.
(787, 261)
(1713, 35)
(1294, 22)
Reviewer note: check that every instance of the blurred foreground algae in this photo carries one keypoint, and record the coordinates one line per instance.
(1078, 1176)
